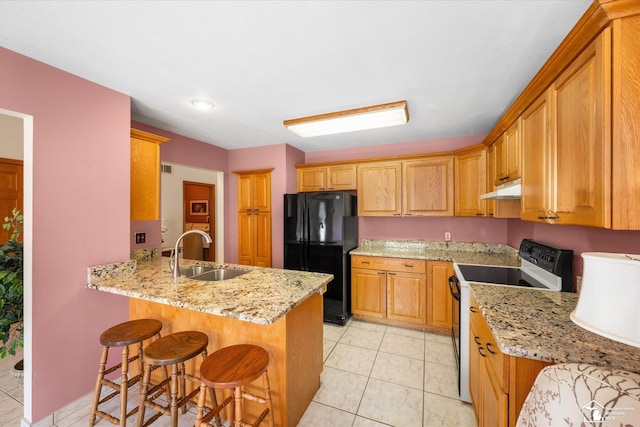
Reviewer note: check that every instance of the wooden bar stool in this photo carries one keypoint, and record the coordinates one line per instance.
(121, 335)
(172, 350)
(234, 367)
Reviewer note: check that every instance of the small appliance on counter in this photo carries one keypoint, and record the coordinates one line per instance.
(319, 231)
(542, 267)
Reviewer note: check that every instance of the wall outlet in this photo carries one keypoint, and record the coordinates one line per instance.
(141, 238)
(447, 236)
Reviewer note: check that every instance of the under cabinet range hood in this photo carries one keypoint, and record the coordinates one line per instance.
(508, 190)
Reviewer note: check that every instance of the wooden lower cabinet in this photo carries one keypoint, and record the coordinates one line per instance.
(402, 292)
(498, 383)
(368, 292)
(407, 297)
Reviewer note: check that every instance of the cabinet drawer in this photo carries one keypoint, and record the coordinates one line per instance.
(389, 264)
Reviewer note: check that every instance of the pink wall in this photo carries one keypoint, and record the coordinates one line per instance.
(80, 218)
(397, 149)
(488, 230)
(272, 156)
(185, 151)
(578, 239)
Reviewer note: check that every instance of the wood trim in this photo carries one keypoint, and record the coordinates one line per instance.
(326, 116)
(252, 172)
(12, 161)
(146, 136)
(599, 16)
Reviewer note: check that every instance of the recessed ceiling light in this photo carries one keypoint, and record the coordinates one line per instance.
(202, 104)
(376, 116)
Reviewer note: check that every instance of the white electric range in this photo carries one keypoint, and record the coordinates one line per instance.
(542, 267)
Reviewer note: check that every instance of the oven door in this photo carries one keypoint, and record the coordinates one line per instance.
(454, 287)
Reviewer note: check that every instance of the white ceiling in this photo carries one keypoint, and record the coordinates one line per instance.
(459, 64)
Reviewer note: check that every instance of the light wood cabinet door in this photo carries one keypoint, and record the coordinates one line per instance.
(507, 151)
(470, 182)
(246, 236)
(341, 177)
(380, 189)
(438, 294)
(368, 292)
(428, 187)
(538, 166)
(583, 142)
(327, 178)
(145, 175)
(254, 217)
(494, 410)
(491, 178)
(311, 179)
(406, 297)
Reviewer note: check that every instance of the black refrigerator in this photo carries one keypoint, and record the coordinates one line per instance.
(319, 231)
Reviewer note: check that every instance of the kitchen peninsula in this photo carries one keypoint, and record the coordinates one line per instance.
(280, 310)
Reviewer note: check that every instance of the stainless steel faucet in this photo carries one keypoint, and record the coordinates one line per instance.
(173, 261)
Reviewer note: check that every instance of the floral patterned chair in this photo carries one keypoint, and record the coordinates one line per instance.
(574, 394)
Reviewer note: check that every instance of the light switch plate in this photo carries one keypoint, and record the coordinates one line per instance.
(141, 237)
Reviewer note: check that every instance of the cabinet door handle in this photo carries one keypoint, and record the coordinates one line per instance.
(489, 349)
(397, 214)
(249, 211)
(380, 273)
(481, 353)
(477, 340)
(549, 217)
(479, 214)
(392, 274)
(472, 309)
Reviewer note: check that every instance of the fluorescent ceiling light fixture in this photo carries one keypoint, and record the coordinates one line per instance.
(377, 116)
(202, 104)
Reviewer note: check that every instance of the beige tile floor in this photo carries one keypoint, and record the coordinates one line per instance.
(373, 375)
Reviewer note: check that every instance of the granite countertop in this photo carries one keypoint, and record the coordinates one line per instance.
(261, 296)
(458, 252)
(535, 324)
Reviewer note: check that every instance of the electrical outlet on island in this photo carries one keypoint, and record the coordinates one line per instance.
(141, 238)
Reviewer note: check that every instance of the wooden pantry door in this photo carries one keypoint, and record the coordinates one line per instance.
(11, 191)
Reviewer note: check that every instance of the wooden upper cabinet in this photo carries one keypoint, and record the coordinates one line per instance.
(380, 189)
(428, 187)
(145, 175)
(327, 178)
(507, 155)
(470, 182)
(583, 139)
(254, 190)
(538, 159)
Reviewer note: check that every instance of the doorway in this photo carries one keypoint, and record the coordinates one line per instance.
(199, 214)
(11, 191)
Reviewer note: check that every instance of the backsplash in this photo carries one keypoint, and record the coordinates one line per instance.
(425, 245)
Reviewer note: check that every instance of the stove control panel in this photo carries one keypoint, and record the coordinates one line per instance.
(550, 258)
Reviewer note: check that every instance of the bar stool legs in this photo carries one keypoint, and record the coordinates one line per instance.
(172, 350)
(234, 367)
(121, 335)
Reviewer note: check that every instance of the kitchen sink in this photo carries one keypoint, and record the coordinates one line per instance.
(213, 274)
(194, 270)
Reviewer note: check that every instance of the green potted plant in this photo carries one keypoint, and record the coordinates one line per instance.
(11, 287)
